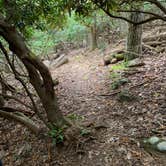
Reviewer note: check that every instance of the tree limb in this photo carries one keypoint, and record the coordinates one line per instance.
(9, 109)
(21, 118)
(144, 12)
(16, 99)
(158, 4)
(154, 17)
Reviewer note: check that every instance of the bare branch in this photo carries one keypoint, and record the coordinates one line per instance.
(152, 18)
(128, 20)
(144, 12)
(158, 4)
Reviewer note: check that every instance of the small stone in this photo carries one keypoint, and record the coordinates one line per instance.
(153, 140)
(135, 63)
(107, 59)
(162, 146)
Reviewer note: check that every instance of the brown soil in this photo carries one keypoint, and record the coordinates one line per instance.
(117, 126)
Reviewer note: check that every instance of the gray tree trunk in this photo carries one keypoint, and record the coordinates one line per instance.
(93, 33)
(134, 38)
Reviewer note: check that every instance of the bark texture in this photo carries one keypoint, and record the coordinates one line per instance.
(93, 38)
(134, 38)
(93, 33)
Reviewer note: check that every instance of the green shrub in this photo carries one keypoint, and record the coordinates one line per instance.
(56, 134)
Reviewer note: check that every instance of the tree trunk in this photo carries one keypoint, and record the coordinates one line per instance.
(134, 38)
(39, 75)
(93, 33)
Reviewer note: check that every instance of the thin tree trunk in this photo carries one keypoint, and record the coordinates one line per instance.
(134, 38)
(93, 33)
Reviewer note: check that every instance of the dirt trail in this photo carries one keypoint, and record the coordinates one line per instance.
(82, 80)
(117, 126)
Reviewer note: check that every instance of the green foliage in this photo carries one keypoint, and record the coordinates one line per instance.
(37, 14)
(43, 42)
(114, 75)
(28, 32)
(84, 132)
(119, 66)
(74, 117)
(72, 32)
(119, 57)
(56, 134)
(41, 13)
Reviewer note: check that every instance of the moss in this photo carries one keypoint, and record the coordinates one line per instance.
(119, 57)
(119, 66)
(114, 75)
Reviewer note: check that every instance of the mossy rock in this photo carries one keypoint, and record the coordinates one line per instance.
(113, 58)
(119, 57)
(135, 63)
(118, 67)
(154, 144)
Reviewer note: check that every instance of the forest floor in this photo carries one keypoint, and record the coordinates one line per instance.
(118, 127)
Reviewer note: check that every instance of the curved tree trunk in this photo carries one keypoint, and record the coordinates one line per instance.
(134, 38)
(39, 75)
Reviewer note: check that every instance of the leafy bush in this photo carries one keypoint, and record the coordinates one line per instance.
(57, 135)
(43, 42)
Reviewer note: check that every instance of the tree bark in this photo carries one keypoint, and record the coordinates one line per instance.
(39, 75)
(93, 33)
(134, 38)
